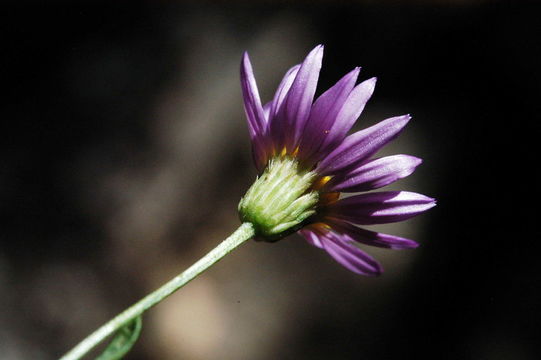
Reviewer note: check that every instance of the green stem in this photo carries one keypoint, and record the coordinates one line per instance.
(243, 233)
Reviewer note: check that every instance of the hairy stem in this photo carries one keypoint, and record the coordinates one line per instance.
(243, 233)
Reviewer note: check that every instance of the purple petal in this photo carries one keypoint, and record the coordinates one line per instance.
(380, 207)
(340, 247)
(375, 174)
(349, 113)
(299, 98)
(373, 238)
(283, 88)
(259, 152)
(362, 144)
(277, 122)
(324, 112)
(267, 110)
(252, 103)
(311, 237)
(254, 112)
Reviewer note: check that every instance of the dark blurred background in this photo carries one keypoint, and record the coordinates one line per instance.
(125, 152)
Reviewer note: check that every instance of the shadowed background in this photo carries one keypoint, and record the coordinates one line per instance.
(125, 152)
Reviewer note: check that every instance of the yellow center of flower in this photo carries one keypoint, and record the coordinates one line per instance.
(321, 182)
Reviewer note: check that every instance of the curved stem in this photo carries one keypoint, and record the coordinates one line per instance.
(244, 232)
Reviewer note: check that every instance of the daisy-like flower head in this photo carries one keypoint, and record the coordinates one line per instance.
(306, 160)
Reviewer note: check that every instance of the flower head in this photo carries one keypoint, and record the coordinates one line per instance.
(306, 160)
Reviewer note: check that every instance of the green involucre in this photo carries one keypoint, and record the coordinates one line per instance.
(280, 199)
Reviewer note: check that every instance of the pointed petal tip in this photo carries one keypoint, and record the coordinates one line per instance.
(317, 51)
(351, 76)
(404, 244)
(403, 120)
(245, 57)
(397, 122)
(378, 270)
(374, 270)
(415, 196)
(355, 72)
(369, 85)
(429, 203)
(414, 161)
(245, 66)
(425, 198)
(413, 245)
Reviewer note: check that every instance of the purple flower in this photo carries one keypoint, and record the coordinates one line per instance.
(306, 160)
